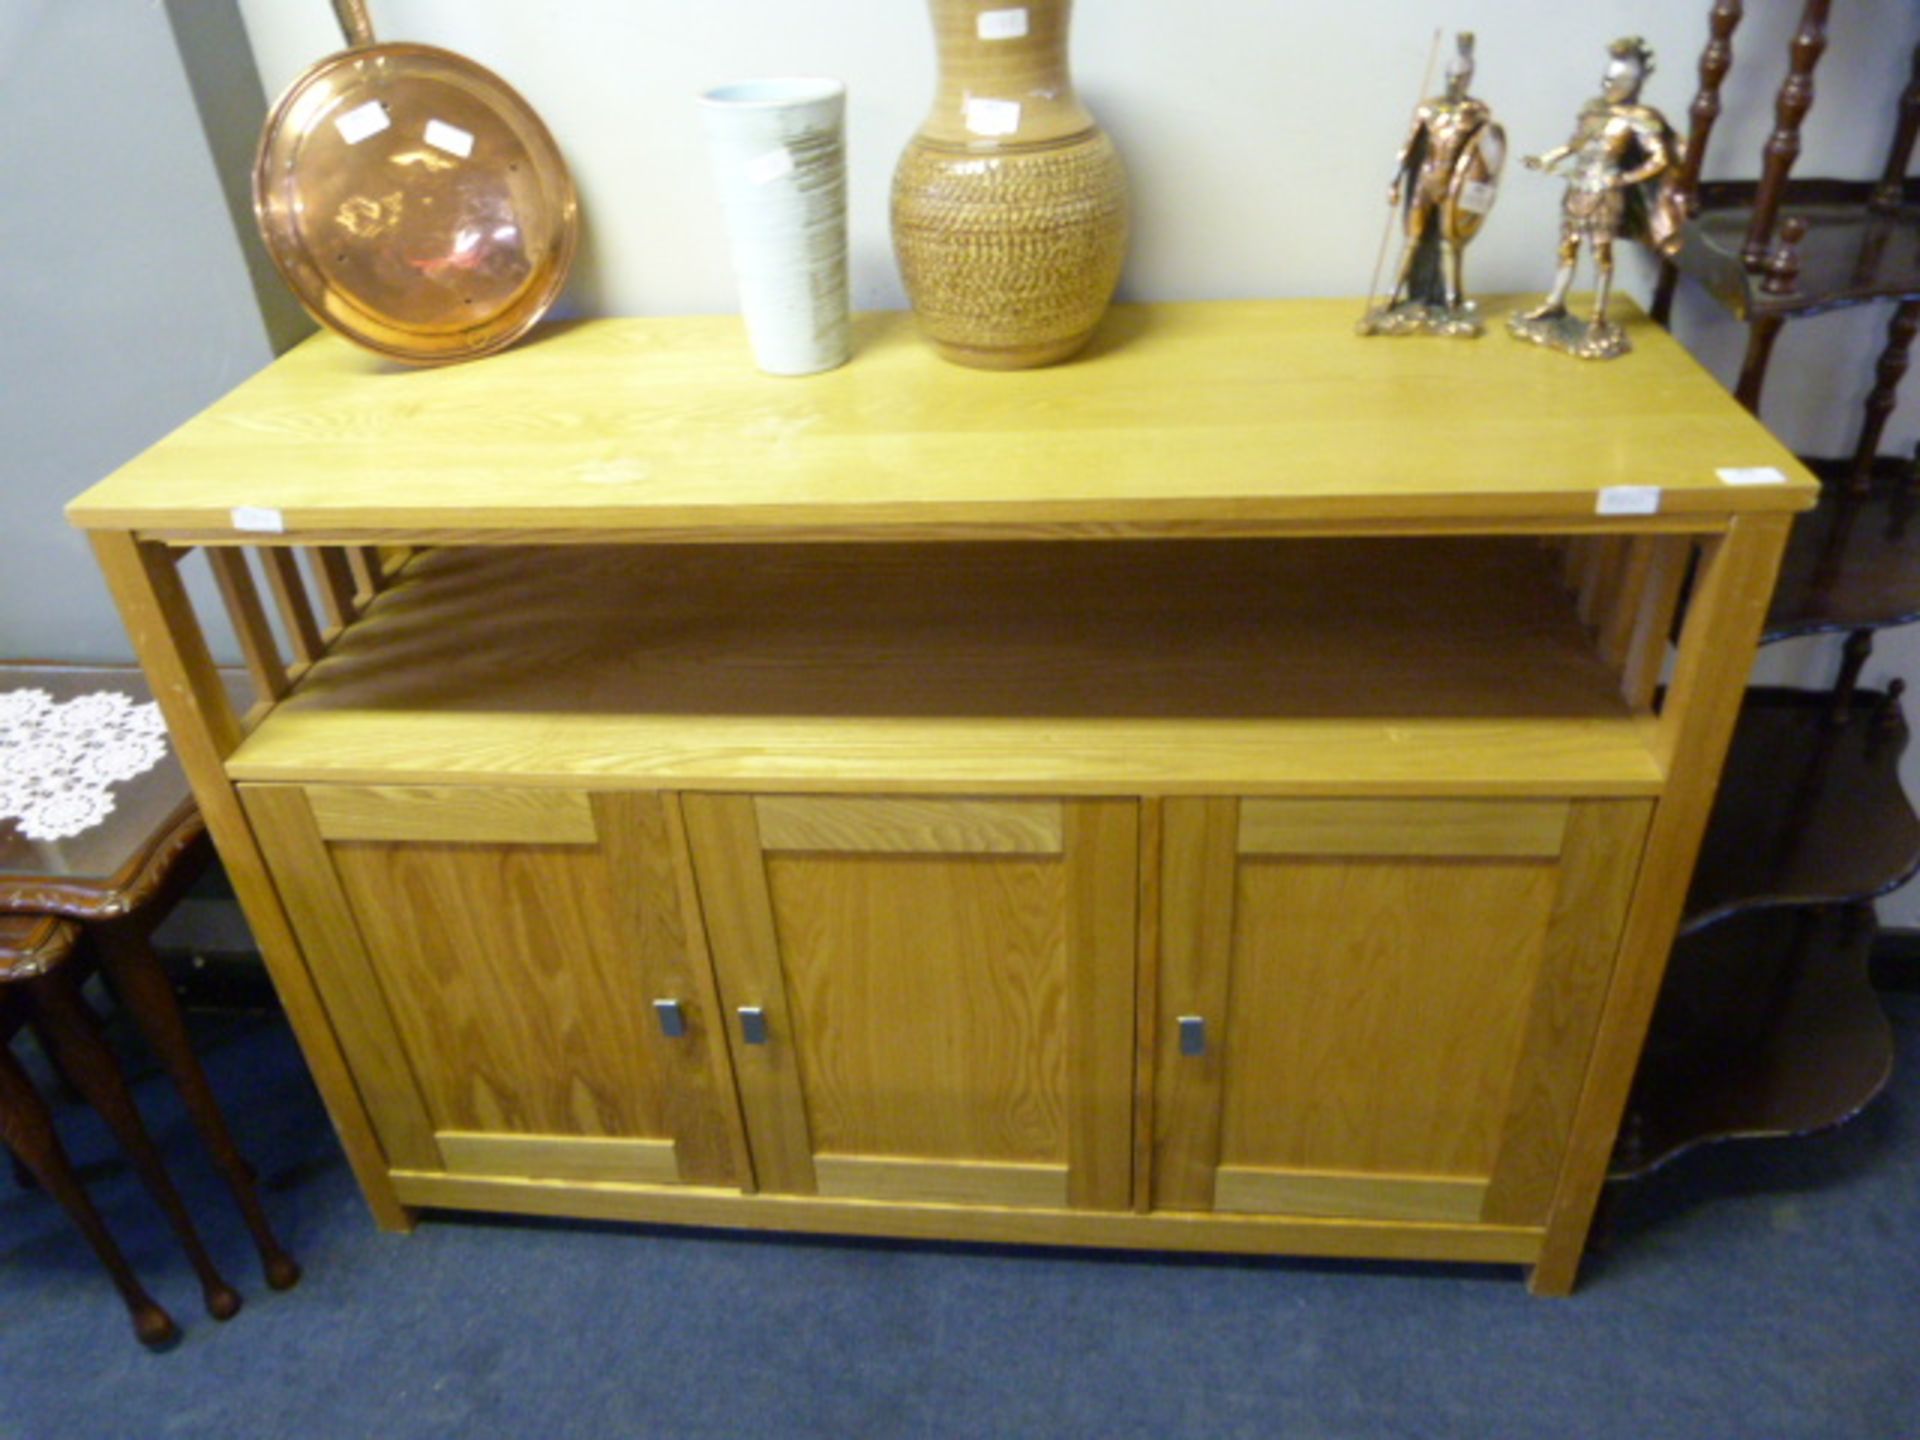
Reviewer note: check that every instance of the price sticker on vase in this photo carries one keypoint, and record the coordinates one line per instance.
(993, 117)
(1010, 24)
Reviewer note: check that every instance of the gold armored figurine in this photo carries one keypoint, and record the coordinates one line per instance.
(1444, 184)
(1619, 165)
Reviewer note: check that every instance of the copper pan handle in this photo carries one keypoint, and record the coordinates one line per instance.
(355, 23)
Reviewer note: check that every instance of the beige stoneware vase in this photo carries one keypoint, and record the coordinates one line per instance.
(1010, 204)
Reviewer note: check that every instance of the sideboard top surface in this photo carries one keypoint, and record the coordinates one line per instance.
(1181, 418)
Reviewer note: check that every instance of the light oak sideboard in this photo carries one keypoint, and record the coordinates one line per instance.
(1218, 794)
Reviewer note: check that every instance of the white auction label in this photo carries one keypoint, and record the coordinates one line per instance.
(770, 166)
(450, 138)
(262, 518)
(1002, 24)
(1751, 475)
(993, 117)
(1476, 197)
(1628, 500)
(362, 122)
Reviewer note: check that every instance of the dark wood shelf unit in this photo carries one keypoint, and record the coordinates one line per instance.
(1810, 809)
(1853, 563)
(1767, 1026)
(1767, 1023)
(1851, 253)
(1777, 248)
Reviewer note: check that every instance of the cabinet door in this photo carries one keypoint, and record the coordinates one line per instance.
(516, 976)
(929, 999)
(1381, 1008)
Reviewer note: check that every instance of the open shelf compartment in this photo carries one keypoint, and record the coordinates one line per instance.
(1481, 665)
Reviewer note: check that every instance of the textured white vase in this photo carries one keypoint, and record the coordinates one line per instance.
(779, 159)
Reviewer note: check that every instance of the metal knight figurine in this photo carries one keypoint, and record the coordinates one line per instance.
(1444, 183)
(1621, 165)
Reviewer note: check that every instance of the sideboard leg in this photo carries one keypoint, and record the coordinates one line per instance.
(167, 639)
(1731, 592)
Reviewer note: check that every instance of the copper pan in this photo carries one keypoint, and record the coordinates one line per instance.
(413, 200)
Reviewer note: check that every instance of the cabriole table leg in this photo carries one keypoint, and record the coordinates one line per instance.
(135, 974)
(27, 1127)
(73, 1039)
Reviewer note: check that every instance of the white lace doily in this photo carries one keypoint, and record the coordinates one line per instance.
(59, 762)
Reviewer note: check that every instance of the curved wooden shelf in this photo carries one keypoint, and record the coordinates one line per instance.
(1852, 254)
(1767, 1026)
(1809, 812)
(1853, 563)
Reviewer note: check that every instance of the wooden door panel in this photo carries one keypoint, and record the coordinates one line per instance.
(1598, 868)
(1395, 1031)
(932, 990)
(514, 970)
(468, 814)
(343, 972)
(1447, 829)
(947, 987)
(1376, 1011)
(487, 955)
(724, 840)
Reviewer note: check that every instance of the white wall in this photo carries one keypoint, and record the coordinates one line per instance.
(1259, 135)
(125, 304)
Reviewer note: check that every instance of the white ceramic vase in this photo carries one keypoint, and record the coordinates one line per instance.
(779, 158)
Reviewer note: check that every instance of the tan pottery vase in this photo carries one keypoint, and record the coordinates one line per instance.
(1010, 204)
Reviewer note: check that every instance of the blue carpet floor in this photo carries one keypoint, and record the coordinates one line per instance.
(1752, 1291)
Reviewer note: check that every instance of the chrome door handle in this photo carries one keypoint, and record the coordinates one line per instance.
(673, 1020)
(1193, 1035)
(753, 1025)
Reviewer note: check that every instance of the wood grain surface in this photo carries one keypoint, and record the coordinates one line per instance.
(1454, 1022)
(1402, 827)
(513, 995)
(495, 988)
(1259, 1191)
(1268, 412)
(929, 995)
(1602, 856)
(1102, 903)
(1715, 657)
(954, 1182)
(1198, 870)
(1378, 1010)
(495, 814)
(998, 1224)
(950, 827)
(1236, 667)
(559, 1157)
(729, 867)
(342, 972)
(658, 927)
(931, 1014)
